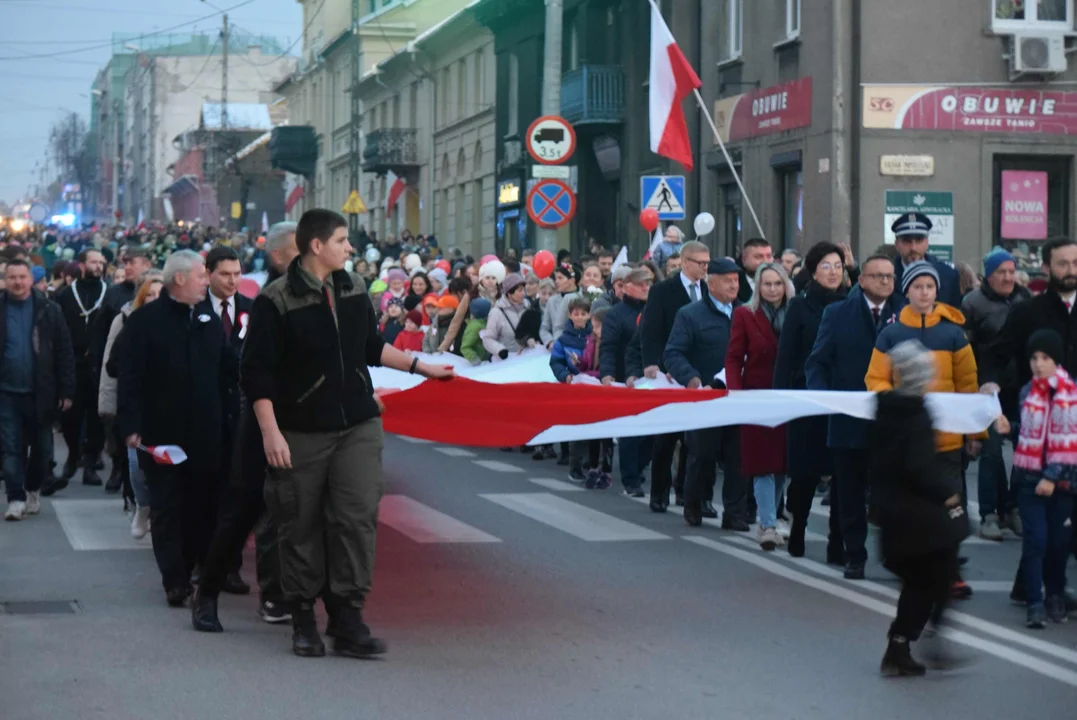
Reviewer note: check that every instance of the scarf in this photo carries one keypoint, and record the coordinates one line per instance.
(776, 316)
(1048, 423)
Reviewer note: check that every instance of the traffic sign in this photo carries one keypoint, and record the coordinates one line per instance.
(354, 205)
(551, 203)
(664, 194)
(551, 140)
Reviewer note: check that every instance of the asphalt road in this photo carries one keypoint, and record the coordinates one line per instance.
(505, 592)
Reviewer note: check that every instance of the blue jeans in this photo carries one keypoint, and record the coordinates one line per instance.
(1045, 544)
(993, 488)
(634, 454)
(768, 491)
(22, 434)
(138, 479)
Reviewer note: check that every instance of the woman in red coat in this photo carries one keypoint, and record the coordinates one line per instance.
(749, 365)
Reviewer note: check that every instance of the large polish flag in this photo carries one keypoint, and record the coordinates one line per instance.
(396, 186)
(672, 79)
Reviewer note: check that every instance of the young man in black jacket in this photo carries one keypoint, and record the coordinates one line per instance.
(313, 334)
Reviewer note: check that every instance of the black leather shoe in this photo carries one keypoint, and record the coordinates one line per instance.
(54, 485)
(71, 466)
(854, 571)
(835, 556)
(706, 509)
(90, 478)
(735, 524)
(233, 585)
(204, 614)
(98, 463)
(657, 506)
(693, 514)
(306, 642)
(795, 543)
(177, 597)
(115, 481)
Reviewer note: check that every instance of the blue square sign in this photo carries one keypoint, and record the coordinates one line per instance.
(663, 193)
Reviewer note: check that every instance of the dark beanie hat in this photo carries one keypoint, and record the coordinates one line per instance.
(411, 302)
(480, 308)
(1048, 342)
(415, 316)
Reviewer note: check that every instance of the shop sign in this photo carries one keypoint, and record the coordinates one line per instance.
(907, 165)
(508, 193)
(939, 208)
(775, 109)
(1024, 205)
(970, 109)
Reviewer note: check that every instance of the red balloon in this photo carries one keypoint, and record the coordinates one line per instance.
(489, 258)
(543, 263)
(444, 265)
(649, 219)
(248, 287)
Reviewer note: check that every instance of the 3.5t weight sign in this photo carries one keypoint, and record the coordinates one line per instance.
(551, 140)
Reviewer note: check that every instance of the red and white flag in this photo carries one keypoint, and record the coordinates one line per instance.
(165, 454)
(655, 242)
(141, 223)
(395, 187)
(672, 79)
(293, 191)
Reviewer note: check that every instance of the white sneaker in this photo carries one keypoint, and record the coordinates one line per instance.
(140, 523)
(16, 509)
(33, 503)
(989, 528)
(768, 539)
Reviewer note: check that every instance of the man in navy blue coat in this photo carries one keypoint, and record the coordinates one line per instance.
(911, 233)
(839, 361)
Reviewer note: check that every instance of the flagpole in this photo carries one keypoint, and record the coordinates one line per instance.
(729, 161)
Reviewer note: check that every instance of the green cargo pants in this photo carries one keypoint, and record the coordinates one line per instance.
(326, 508)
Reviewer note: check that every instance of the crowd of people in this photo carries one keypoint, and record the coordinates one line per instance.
(132, 340)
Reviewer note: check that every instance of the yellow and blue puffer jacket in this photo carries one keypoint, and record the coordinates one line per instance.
(942, 332)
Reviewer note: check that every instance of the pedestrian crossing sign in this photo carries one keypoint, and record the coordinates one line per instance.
(664, 194)
(354, 205)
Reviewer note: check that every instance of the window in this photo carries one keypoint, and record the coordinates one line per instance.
(461, 89)
(735, 17)
(514, 95)
(478, 93)
(443, 95)
(792, 18)
(1016, 15)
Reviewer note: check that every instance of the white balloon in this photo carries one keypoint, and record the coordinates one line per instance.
(372, 255)
(704, 223)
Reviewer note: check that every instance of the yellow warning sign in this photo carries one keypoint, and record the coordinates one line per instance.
(237, 210)
(354, 204)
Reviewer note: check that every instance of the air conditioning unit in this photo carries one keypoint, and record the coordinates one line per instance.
(1040, 52)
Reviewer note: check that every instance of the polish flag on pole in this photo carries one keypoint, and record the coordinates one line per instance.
(165, 454)
(672, 79)
(141, 224)
(396, 186)
(655, 242)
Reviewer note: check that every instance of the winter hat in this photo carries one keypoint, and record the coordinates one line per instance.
(448, 301)
(412, 261)
(378, 286)
(996, 257)
(918, 269)
(430, 299)
(620, 273)
(511, 282)
(1048, 342)
(439, 275)
(397, 274)
(494, 269)
(397, 302)
(416, 317)
(722, 266)
(480, 308)
(411, 302)
(38, 273)
(913, 366)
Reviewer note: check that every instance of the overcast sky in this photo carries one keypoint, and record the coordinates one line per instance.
(34, 92)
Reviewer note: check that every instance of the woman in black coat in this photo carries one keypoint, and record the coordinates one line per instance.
(919, 511)
(808, 458)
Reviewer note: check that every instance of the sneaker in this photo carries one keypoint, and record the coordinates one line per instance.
(1013, 522)
(140, 523)
(576, 476)
(898, 660)
(16, 509)
(1056, 608)
(960, 590)
(1036, 618)
(33, 502)
(274, 613)
(592, 479)
(605, 481)
(635, 492)
(989, 528)
(767, 539)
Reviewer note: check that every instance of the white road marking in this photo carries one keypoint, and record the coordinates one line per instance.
(555, 485)
(972, 539)
(415, 441)
(455, 452)
(990, 586)
(971, 621)
(497, 466)
(424, 524)
(1017, 657)
(809, 536)
(97, 525)
(572, 518)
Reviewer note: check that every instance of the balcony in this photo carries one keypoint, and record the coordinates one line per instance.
(390, 149)
(593, 94)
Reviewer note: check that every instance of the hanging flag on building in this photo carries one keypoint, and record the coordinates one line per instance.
(672, 79)
(265, 223)
(141, 224)
(293, 190)
(394, 190)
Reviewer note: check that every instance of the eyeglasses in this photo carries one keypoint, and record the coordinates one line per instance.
(827, 267)
(701, 263)
(881, 277)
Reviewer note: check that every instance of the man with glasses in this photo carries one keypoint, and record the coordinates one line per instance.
(911, 233)
(839, 361)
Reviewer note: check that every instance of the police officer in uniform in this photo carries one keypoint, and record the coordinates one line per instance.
(911, 232)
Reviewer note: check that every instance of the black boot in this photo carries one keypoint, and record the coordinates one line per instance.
(306, 642)
(234, 585)
(352, 637)
(898, 660)
(795, 543)
(115, 479)
(204, 614)
(54, 485)
(71, 466)
(90, 477)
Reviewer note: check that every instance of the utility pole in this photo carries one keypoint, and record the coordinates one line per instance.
(224, 73)
(551, 93)
(353, 219)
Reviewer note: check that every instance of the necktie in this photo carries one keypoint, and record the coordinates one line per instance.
(226, 320)
(1069, 306)
(875, 314)
(693, 292)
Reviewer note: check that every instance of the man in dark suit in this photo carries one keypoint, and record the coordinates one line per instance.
(839, 361)
(755, 252)
(656, 323)
(911, 233)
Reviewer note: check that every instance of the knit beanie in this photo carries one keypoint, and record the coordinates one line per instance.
(913, 366)
(397, 274)
(480, 308)
(1048, 342)
(416, 317)
(995, 258)
(448, 302)
(411, 302)
(494, 269)
(511, 282)
(918, 269)
(398, 302)
(38, 273)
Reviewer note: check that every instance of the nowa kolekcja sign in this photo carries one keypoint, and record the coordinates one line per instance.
(1009, 110)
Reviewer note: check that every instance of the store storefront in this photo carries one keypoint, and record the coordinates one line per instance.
(511, 215)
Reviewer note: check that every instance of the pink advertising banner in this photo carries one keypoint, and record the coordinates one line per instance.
(1024, 205)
